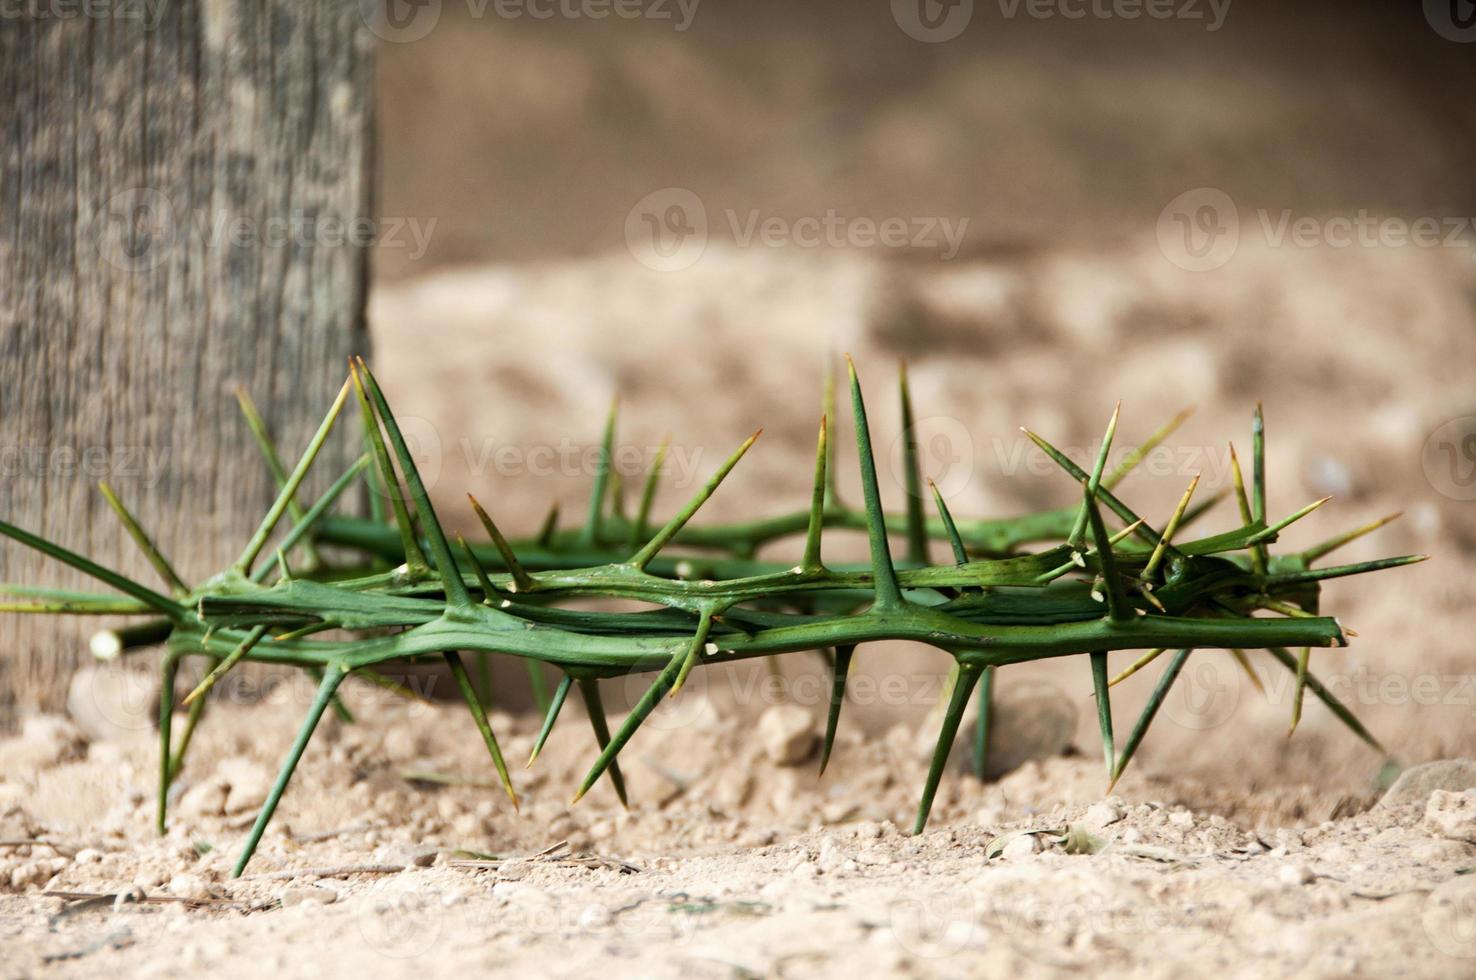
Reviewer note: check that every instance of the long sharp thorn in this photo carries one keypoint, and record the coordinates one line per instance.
(1145, 531)
(617, 496)
(1160, 692)
(955, 540)
(1241, 499)
(456, 593)
(329, 686)
(1169, 530)
(550, 525)
(1205, 505)
(168, 671)
(479, 714)
(393, 686)
(522, 581)
(610, 747)
(1332, 544)
(336, 703)
(483, 580)
(827, 409)
(917, 531)
(699, 640)
(192, 721)
(316, 511)
(1116, 539)
(884, 574)
(1078, 530)
(1258, 465)
(1337, 707)
(289, 490)
(1270, 532)
(409, 541)
(86, 566)
(589, 537)
(1132, 459)
(257, 425)
(968, 676)
(839, 672)
(1135, 666)
(145, 543)
(1257, 555)
(641, 526)
(812, 561)
(1340, 571)
(1303, 660)
(1104, 706)
(1117, 602)
(1248, 670)
(643, 557)
(982, 721)
(550, 716)
(1258, 479)
(235, 656)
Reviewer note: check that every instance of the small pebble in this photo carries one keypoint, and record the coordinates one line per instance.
(787, 733)
(307, 895)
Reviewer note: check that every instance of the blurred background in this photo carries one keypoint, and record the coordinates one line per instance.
(1041, 208)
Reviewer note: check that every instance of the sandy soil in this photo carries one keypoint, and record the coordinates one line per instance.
(725, 865)
(1228, 847)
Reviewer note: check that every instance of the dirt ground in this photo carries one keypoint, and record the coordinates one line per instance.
(725, 865)
(1227, 848)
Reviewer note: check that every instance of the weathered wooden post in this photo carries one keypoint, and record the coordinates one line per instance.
(184, 200)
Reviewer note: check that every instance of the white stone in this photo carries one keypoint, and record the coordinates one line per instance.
(1102, 814)
(1023, 847)
(189, 886)
(787, 734)
(1452, 815)
(307, 895)
(204, 799)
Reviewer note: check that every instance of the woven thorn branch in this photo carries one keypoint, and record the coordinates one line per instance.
(409, 595)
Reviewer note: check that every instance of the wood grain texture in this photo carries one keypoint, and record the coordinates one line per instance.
(169, 193)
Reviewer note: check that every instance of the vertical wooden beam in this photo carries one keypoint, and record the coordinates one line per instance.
(180, 185)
